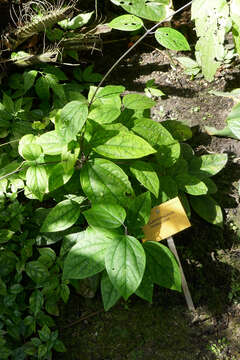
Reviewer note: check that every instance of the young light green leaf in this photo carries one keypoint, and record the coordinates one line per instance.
(124, 146)
(162, 266)
(31, 151)
(191, 184)
(102, 180)
(71, 119)
(106, 215)
(62, 216)
(76, 22)
(208, 209)
(148, 9)
(146, 175)
(86, 257)
(171, 39)
(126, 23)
(104, 114)
(125, 264)
(235, 16)
(110, 295)
(51, 143)
(207, 165)
(37, 180)
(26, 140)
(137, 102)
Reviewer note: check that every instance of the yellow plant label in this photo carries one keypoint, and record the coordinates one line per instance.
(166, 220)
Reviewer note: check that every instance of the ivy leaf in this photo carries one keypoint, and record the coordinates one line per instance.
(106, 215)
(207, 165)
(208, 209)
(124, 146)
(146, 175)
(110, 295)
(171, 39)
(86, 257)
(37, 180)
(137, 102)
(71, 120)
(62, 216)
(125, 264)
(102, 180)
(126, 23)
(162, 266)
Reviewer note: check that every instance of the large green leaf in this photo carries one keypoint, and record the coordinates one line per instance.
(124, 146)
(154, 10)
(106, 215)
(62, 216)
(110, 295)
(146, 175)
(137, 102)
(108, 95)
(126, 23)
(168, 149)
(207, 165)
(37, 180)
(125, 264)
(191, 184)
(102, 180)
(31, 151)
(168, 188)
(171, 39)
(86, 257)
(208, 209)
(51, 143)
(71, 119)
(145, 289)
(162, 266)
(104, 114)
(138, 213)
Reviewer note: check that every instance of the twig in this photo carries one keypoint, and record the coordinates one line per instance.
(132, 47)
(81, 319)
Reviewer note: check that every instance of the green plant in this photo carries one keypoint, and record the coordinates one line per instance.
(30, 286)
(102, 160)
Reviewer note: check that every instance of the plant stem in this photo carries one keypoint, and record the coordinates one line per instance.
(132, 47)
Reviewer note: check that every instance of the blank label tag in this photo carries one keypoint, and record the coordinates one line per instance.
(166, 220)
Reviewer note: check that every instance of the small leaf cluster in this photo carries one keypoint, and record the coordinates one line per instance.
(30, 287)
